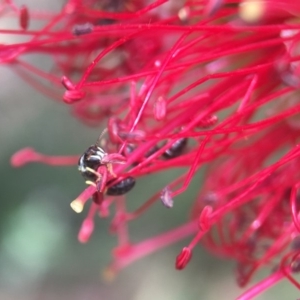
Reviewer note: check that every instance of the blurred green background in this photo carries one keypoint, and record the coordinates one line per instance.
(40, 257)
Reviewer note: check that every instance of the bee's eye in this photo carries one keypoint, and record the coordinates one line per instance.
(94, 158)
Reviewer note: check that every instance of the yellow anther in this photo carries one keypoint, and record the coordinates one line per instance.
(77, 205)
(251, 11)
(183, 14)
(88, 182)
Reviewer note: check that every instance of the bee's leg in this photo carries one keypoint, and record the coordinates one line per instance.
(111, 170)
(94, 172)
(101, 181)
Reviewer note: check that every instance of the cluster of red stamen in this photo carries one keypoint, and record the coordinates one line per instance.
(223, 74)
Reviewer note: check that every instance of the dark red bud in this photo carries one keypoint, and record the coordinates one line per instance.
(183, 258)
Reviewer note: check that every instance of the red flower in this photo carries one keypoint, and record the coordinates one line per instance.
(197, 84)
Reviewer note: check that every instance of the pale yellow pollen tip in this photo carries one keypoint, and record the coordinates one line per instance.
(77, 205)
(251, 10)
(183, 14)
(88, 182)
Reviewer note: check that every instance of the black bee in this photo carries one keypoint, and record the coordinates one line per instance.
(91, 159)
(94, 157)
(176, 149)
(122, 187)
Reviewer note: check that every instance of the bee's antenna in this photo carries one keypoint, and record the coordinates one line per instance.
(98, 142)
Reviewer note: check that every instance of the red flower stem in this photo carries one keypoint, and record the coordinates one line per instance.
(138, 153)
(230, 75)
(261, 286)
(102, 54)
(87, 226)
(154, 244)
(197, 238)
(214, 56)
(243, 128)
(155, 80)
(286, 268)
(28, 155)
(172, 54)
(263, 214)
(133, 102)
(279, 245)
(254, 177)
(92, 211)
(40, 33)
(294, 208)
(86, 194)
(203, 28)
(199, 151)
(12, 6)
(261, 176)
(294, 110)
(245, 71)
(27, 32)
(58, 160)
(153, 156)
(248, 94)
(189, 45)
(120, 16)
(68, 36)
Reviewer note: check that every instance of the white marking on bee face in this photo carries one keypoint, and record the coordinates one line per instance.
(91, 158)
(81, 165)
(100, 153)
